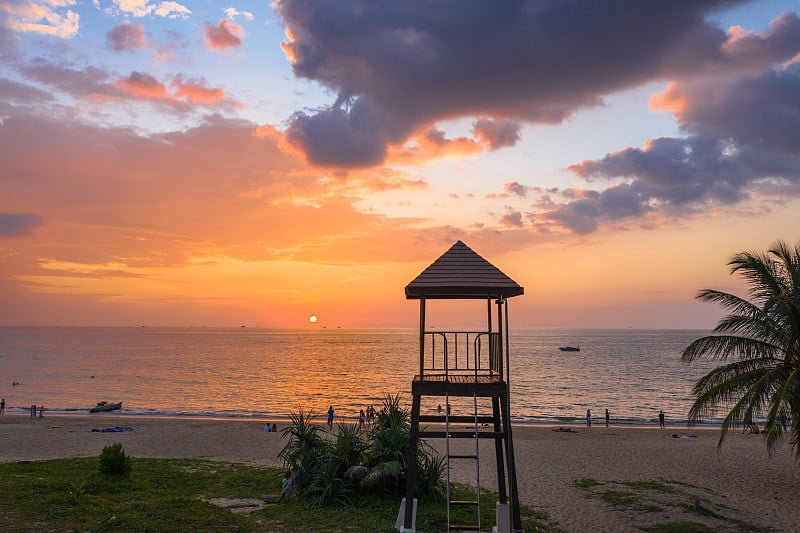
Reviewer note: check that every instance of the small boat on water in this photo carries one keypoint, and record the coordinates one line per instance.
(105, 406)
(570, 348)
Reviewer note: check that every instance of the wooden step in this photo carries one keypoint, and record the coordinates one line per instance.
(456, 419)
(462, 457)
(464, 502)
(461, 434)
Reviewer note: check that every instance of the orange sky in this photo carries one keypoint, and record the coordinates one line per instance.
(170, 164)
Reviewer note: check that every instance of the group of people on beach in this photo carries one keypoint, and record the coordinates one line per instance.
(364, 417)
(608, 419)
(589, 418)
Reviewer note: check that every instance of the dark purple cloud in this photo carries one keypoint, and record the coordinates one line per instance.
(8, 41)
(415, 62)
(512, 219)
(21, 93)
(743, 136)
(517, 189)
(497, 133)
(126, 36)
(75, 82)
(18, 224)
(761, 112)
(357, 135)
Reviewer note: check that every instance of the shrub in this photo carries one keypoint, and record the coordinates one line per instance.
(331, 471)
(114, 462)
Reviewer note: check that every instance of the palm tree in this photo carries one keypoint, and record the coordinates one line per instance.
(763, 335)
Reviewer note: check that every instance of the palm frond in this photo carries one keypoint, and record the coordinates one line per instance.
(733, 303)
(724, 346)
(763, 334)
(747, 381)
(781, 413)
(759, 272)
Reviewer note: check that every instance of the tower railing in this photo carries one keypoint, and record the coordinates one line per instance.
(462, 353)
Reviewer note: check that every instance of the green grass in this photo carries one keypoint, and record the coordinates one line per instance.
(679, 527)
(168, 495)
(586, 483)
(655, 486)
(628, 500)
(646, 503)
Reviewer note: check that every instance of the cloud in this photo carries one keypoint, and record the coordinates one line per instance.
(223, 36)
(198, 92)
(398, 68)
(172, 10)
(143, 86)
(137, 8)
(517, 189)
(18, 224)
(8, 41)
(50, 17)
(334, 135)
(613, 204)
(143, 8)
(430, 145)
(232, 13)
(15, 92)
(760, 111)
(497, 134)
(126, 36)
(221, 189)
(742, 137)
(77, 83)
(178, 93)
(512, 219)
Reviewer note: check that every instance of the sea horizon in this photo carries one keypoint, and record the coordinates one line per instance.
(268, 373)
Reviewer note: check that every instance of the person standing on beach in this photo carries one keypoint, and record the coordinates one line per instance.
(2, 406)
(661, 419)
(607, 418)
(588, 418)
(330, 418)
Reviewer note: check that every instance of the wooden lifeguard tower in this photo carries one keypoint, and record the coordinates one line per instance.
(465, 364)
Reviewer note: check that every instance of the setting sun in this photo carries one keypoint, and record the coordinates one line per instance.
(312, 318)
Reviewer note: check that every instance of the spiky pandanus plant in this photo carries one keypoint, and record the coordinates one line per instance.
(329, 471)
(305, 452)
(763, 335)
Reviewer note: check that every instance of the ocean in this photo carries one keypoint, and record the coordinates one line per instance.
(269, 373)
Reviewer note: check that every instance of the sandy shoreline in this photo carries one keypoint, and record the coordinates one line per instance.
(739, 482)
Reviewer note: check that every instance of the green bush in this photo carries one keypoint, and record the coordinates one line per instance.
(333, 471)
(114, 462)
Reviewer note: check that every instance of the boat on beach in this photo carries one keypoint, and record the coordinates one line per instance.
(570, 348)
(105, 406)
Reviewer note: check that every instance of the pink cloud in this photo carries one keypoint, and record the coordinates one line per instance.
(225, 35)
(143, 86)
(432, 144)
(196, 92)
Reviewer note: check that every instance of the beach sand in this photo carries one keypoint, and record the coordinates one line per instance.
(739, 482)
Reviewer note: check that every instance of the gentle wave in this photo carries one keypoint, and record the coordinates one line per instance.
(267, 374)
